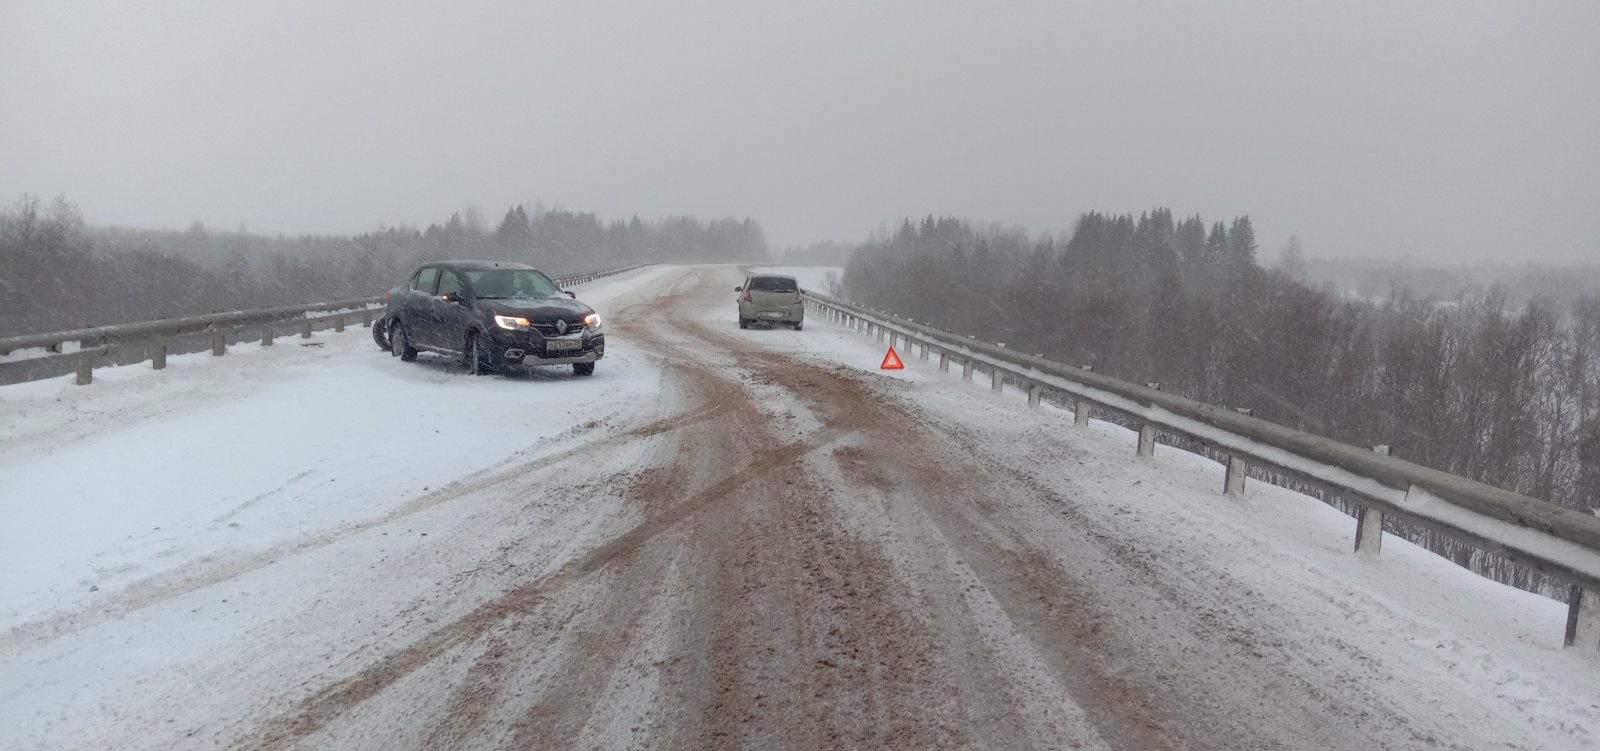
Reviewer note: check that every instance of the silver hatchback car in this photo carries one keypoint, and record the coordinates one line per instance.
(771, 299)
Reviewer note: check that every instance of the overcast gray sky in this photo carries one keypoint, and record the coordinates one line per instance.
(1442, 130)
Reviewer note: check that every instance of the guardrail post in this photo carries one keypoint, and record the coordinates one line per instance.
(219, 343)
(305, 328)
(1080, 413)
(1369, 523)
(85, 371)
(1233, 482)
(338, 323)
(966, 370)
(1035, 393)
(944, 362)
(366, 318)
(1583, 619)
(996, 381)
(266, 335)
(924, 351)
(158, 356)
(1147, 440)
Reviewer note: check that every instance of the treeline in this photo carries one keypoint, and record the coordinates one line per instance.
(1506, 395)
(57, 273)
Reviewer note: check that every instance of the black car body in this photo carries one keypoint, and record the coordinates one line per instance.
(491, 315)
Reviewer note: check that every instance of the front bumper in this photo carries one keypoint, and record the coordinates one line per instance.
(528, 348)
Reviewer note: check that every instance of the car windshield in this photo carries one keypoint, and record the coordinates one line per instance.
(491, 284)
(774, 284)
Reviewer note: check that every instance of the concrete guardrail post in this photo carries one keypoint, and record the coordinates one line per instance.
(1035, 394)
(924, 351)
(85, 371)
(305, 328)
(1583, 619)
(1080, 413)
(1233, 481)
(996, 381)
(1369, 523)
(944, 362)
(1147, 440)
(266, 335)
(158, 356)
(966, 370)
(219, 343)
(366, 318)
(338, 323)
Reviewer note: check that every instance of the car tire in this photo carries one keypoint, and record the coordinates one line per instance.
(380, 334)
(400, 342)
(798, 325)
(744, 323)
(583, 368)
(476, 358)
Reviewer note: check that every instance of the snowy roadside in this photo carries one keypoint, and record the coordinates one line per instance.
(1445, 648)
(145, 471)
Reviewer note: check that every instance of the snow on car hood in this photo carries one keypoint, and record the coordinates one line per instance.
(541, 308)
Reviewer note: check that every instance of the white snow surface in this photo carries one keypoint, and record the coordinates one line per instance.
(105, 486)
(145, 470)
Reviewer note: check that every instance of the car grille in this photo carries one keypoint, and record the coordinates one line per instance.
(549, 329)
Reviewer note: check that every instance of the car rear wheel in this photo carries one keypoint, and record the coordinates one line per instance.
(583, 368)
(798, 325)
(400, 343)
(477, 358)
(744, 323)
(380, 334)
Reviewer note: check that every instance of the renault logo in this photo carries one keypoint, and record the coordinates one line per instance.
(561, 327)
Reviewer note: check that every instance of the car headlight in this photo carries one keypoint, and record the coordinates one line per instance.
(593, 322)
(508, 322)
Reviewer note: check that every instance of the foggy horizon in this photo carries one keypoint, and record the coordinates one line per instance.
(1436, 132)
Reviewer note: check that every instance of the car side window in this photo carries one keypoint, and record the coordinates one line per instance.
(449, 284)
(426, 281)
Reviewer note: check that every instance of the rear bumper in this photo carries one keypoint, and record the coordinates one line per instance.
(785, 314)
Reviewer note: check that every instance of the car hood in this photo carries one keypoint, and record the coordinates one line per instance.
(540, 308)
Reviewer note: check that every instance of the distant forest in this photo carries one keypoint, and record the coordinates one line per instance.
(1501, 393)
(57, 272)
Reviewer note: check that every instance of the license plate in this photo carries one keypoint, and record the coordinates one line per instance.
(771, 315)
(562, 345)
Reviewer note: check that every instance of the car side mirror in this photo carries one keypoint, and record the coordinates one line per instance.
(455, 298)
(738, 289)
(572, 294)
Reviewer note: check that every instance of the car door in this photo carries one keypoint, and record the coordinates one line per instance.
(417, 313)
(451, 312)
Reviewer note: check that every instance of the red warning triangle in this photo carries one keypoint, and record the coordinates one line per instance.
(891, 361)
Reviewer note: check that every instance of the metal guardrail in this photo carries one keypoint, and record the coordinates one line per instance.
(1560, 542)
(36, 356)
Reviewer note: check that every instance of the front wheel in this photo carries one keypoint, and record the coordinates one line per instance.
(476, 357)
(583, 368)
(400, 343)
(744, 323)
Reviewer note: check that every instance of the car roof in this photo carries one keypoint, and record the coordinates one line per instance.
(480, 265)
(772, 276)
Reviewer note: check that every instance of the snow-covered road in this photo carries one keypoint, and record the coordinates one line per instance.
(724, 538)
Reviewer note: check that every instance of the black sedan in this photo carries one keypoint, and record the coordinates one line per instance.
(491, 315)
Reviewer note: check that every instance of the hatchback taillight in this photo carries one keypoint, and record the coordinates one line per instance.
(797, 299)
(747, 296)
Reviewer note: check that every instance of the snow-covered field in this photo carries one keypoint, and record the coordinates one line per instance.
(184, 552)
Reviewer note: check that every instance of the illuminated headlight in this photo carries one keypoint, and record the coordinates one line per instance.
(507, 322)
(593, 322)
